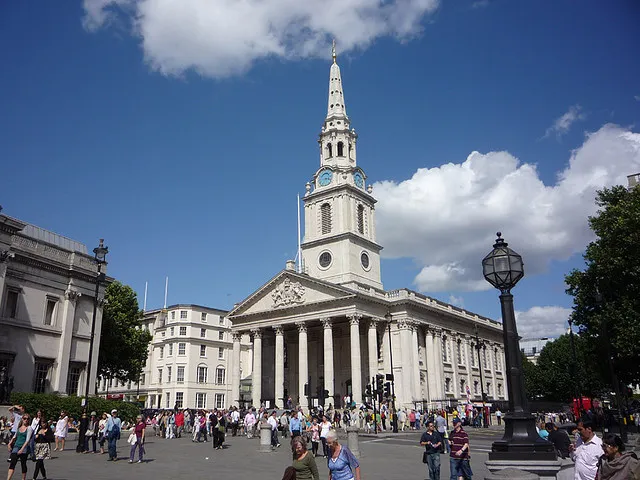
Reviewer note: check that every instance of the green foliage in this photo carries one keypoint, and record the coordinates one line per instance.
(123, 345)
(532, 382)
(52, 405)
(606, 293)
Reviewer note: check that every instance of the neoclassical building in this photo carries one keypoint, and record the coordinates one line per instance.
(328, 324)
(47, 289)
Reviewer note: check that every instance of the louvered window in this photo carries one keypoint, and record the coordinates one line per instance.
(325, 214)
(340, 149)
(361, 219)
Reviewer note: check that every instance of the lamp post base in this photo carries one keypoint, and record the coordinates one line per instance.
(521, 441)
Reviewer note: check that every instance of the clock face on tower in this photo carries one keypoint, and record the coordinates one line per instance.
(324, 178)
(358, 180)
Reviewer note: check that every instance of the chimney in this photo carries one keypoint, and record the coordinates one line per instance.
(291, 265)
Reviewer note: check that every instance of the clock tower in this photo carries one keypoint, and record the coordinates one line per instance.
(339, 230)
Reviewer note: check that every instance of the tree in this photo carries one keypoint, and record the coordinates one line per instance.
(123, 344)
(606, 293)
(532, 380)
(561, 378)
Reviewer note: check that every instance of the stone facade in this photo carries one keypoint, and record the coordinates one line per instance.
(190, 362)
(330, 325)
(47, 289)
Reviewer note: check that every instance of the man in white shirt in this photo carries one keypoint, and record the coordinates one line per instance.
(274, 429)
(235, 419)
(587, 452)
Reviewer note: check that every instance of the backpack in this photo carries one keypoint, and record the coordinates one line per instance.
(115, 430)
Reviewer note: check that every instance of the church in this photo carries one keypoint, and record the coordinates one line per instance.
(320, 330)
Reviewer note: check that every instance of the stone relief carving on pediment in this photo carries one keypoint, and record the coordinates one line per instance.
(288, 293)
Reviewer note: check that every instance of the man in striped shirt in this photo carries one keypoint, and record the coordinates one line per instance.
(459, 461)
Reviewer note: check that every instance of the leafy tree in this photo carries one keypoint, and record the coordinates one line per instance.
(606, 293)
(123, 344)
(532, 381)
(561, 378)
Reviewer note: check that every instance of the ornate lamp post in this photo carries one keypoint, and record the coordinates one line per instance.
(481, 346)
(100, 254)
(503, 268)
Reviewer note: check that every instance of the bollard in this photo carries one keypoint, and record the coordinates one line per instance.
(512, 474)
(352, 436)
(265, 438)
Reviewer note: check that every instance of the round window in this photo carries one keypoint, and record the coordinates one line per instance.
(325, 259)
(364, 259)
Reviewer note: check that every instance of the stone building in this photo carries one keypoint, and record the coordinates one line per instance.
(189, 360)
(328, 325)
(47, 288)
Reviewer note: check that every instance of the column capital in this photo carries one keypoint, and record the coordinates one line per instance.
(6, 255)
(278, 329)
(354, 318)
(373, 323)
(72, 295)
(236, 336)
(302, 327)
(257, 333)
(405, 324)
(436, 331)
(326, 322)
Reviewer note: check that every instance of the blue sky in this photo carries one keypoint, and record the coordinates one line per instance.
(183, 137)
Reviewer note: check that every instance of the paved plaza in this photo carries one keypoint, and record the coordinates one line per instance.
(386, 456)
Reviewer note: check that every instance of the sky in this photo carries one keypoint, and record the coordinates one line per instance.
(182, 132)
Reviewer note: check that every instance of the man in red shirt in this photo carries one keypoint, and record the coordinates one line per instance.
(459, 461)
(179, 418)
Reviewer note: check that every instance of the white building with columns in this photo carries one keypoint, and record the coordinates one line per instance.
(189, 363)
(47, 288)
(329, 324)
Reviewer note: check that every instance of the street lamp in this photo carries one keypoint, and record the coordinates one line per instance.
(394, 416)
(100, 254)
(480, 368)
(503, 268)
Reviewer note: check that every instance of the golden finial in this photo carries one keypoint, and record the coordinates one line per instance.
(333, 51)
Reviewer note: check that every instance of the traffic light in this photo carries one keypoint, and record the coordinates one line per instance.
(367, 390)
(306, 389)
(379, 383)
(387, 389)
(325, 393)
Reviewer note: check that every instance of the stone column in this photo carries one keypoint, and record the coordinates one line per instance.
(256, 384)
(5, 255)
(356, 362)
(453, 339)
(329, 375)
(431, 366)
(437, 352)
(417, 386)
(279, 370)
(372, 344)
(407, 360)
(303, 364)
(59, 383)
(235, 372)
(492, 366)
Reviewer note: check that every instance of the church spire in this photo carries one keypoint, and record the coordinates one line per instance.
(335, 106)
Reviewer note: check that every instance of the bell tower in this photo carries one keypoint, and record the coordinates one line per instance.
(340, 236)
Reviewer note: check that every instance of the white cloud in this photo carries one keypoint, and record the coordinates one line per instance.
(540, 322)
(219, 38)
(480, 4)
(457, 301)
(446, 217)
(564, 122)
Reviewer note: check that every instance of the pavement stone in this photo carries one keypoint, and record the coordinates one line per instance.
(386, 457)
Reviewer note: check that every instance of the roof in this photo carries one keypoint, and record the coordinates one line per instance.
(190, 306)
(47, 236)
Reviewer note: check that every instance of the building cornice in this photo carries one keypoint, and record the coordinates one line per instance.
(343, 236)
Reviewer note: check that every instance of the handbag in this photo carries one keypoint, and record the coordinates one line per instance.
(425, 456)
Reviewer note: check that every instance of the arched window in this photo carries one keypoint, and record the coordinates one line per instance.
(361, 219)
(202, 374)
(462, 389)
(220, 373)
(340, 149)
(350, 148)
(329, 151)
(325, 218)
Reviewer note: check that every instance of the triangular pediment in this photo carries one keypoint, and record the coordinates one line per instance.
(289, 290)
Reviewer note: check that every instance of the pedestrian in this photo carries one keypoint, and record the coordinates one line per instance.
(62, 428)
(303, 462)
(274, 429)
(616, 464)
(431, 440)
(102, 430)
(289, 474)
(112, 433)
(235, 420)
(43, 438)
(249, 423)
(341, 462)
(314, 432)
(559, 438)
(19, 446)
(587, 451)
(138, 439)
(295, 426)
(499, 416)
(459, 455)
(441, 426)
(91, 433)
